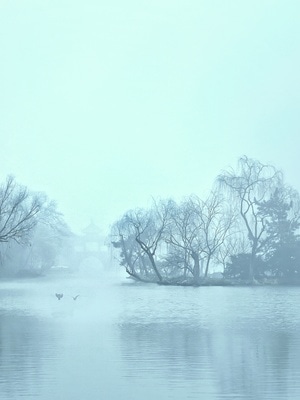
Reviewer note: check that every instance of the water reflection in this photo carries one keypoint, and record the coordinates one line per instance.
(25, 349)
(143, 342)
(251, 354)
(216, 364)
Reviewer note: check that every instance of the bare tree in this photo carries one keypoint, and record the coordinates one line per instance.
(217, 221)
(148, 228)
(185, 233)
(233, 244)
(199, 228)
(18, 211)
(250, 184)
(50, 235)
(131, 255)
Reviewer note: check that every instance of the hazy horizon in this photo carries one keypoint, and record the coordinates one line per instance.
(106, 105)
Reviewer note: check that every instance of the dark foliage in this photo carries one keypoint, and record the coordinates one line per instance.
(238, 267)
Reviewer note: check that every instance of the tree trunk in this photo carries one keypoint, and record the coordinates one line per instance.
(135, 276)
(252, 260)
(207, 266)
(147, 250)
(251, 266)
(145, 269)
(201, 267)
(185, 266)
(124, 250)
(196, 269)
(151, 258)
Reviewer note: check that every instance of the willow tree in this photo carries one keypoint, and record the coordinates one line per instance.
(250, 184)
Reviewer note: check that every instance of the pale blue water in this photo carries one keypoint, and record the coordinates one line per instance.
(130, 341)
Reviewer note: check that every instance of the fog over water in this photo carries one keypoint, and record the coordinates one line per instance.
(105, 107)
(131, 341)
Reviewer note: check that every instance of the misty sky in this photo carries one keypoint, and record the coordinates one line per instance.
(104, 104)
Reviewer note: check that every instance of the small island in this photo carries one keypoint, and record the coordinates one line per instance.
(246, 232)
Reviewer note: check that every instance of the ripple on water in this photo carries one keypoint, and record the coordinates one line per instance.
(148, 341)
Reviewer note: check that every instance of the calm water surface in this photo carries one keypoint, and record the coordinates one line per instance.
(130, 341)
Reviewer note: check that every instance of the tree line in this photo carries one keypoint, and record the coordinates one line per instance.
(248, 227)
(32, 229)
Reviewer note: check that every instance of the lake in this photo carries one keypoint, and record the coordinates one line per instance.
(122, 340)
